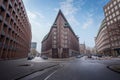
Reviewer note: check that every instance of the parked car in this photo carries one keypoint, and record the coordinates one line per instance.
(30, 57)
(89, 56)
(44, 57)
(79, 56)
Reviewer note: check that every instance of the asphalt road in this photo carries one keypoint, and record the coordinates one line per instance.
(80, 69)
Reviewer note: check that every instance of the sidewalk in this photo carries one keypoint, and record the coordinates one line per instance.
(13, 69)
(115, 68)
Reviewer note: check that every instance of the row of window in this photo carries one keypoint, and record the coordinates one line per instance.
(101, 43)
(101, 35)
(104, 47)
(113, 15)
(115, 44)
(112, 10)
(113, 20)
(112, 4)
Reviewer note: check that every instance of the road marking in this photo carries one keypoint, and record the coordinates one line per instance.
(50, 75)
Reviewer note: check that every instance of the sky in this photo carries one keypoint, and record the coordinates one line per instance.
(84, 16)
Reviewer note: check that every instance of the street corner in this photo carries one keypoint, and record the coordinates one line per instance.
(115, 68)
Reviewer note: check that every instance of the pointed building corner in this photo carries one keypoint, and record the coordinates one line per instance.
(60, 11)
(55, 45)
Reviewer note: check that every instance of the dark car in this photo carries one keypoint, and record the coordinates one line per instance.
(89, 56)
(30, 57)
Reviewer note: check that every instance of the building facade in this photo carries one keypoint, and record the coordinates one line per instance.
(112, 30)
(15, 30)
(82, 48)
(102, 40)
(33, 45)
(61, 41)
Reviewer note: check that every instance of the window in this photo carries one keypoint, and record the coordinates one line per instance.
(116, 7)
(7, 17)
(54, 33)
(2, 10)
(114, 2)
(111, 21)
(108, 7)
(118, 0)
(110, 17)
(5, 2)
(117, 12)
(108, 23)
(112, 10)
(115, 19)
(111, 5)
(113, 14)
(119, 17)
(54, 37)
(10, 8)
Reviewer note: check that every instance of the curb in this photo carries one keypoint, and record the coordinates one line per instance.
(111, 68)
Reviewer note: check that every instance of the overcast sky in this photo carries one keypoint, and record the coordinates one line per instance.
(84, 16)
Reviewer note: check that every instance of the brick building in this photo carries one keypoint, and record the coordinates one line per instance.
(108, 39)
(15, 30)
(61, 41)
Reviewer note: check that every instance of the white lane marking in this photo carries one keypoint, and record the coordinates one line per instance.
(50, 75)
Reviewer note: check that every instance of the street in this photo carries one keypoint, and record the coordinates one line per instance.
(81, 69)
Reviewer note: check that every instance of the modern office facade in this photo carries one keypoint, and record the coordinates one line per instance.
(15, 30)
(61, 41)
(112, 23)
(33, 45)
(102, 40)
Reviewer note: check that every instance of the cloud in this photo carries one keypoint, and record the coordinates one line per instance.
(88, 23)
(34, 15)
(68, 8)
(89, 20)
